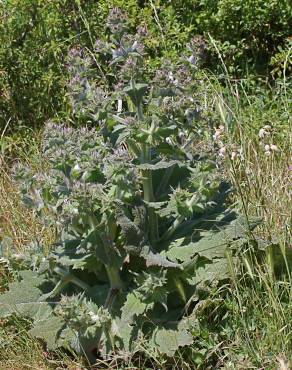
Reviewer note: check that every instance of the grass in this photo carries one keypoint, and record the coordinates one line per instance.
(17, 223)
(261, 178)
(20, 352)
(255, 332)
(260, 306)
(260, 297)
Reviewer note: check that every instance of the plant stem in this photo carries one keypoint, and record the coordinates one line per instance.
(164, 182)
(68, 277)
(148, 186)
(116, 285)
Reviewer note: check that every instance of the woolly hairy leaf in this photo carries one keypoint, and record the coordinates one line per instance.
(156, 259)
(130, 230)
(212, 244)
(132, 307)
(168, 341)
(210, 272)
(128, 334)
(160, 165)
(134, 238)
(122, 327)
(22, 297)
(48, 330)
(136, 92)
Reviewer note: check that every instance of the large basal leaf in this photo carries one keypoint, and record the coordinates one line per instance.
(160, 165)
(168, 341)
(157, 259)
(212, 244)
(208, 273)
(49, 331)
(23, 297)
(132, 307)
(123, 327)
(130, 230)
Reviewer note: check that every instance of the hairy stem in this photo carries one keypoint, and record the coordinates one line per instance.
(116, 285)
(164, 182)
(68, 277)
(148, 187)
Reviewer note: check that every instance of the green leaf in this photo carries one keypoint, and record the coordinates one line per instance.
(212, 244)
(48, 330)
(156, 259)
(136, 92)
(168, 341)
(22, 297)
(123, 327)
(129, 335)
(130, 230)
(160, 165)
(210, 272)
(132, 307)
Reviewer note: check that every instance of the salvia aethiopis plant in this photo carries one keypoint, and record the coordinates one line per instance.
(142, 230)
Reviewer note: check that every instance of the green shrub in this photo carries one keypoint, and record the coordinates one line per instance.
(248, 32)
(35, 37)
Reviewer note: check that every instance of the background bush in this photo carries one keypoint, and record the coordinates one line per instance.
(35, 37)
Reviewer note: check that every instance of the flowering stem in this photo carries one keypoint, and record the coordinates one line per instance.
(148, 186)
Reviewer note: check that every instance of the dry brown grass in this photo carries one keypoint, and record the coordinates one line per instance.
(16, 221)
(264, 184)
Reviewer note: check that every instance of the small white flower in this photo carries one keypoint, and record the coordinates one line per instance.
(233, 155)
(222, 151)
(94, 317)
(262, 133)
(217, 134)
(181, 134)
(274, 148)
(267, 147)
(18, 255)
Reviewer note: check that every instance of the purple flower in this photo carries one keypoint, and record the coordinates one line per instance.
(116, 21)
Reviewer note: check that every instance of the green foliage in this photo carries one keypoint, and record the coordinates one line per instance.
(247, 32)
(35, 36)
(143, 230)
